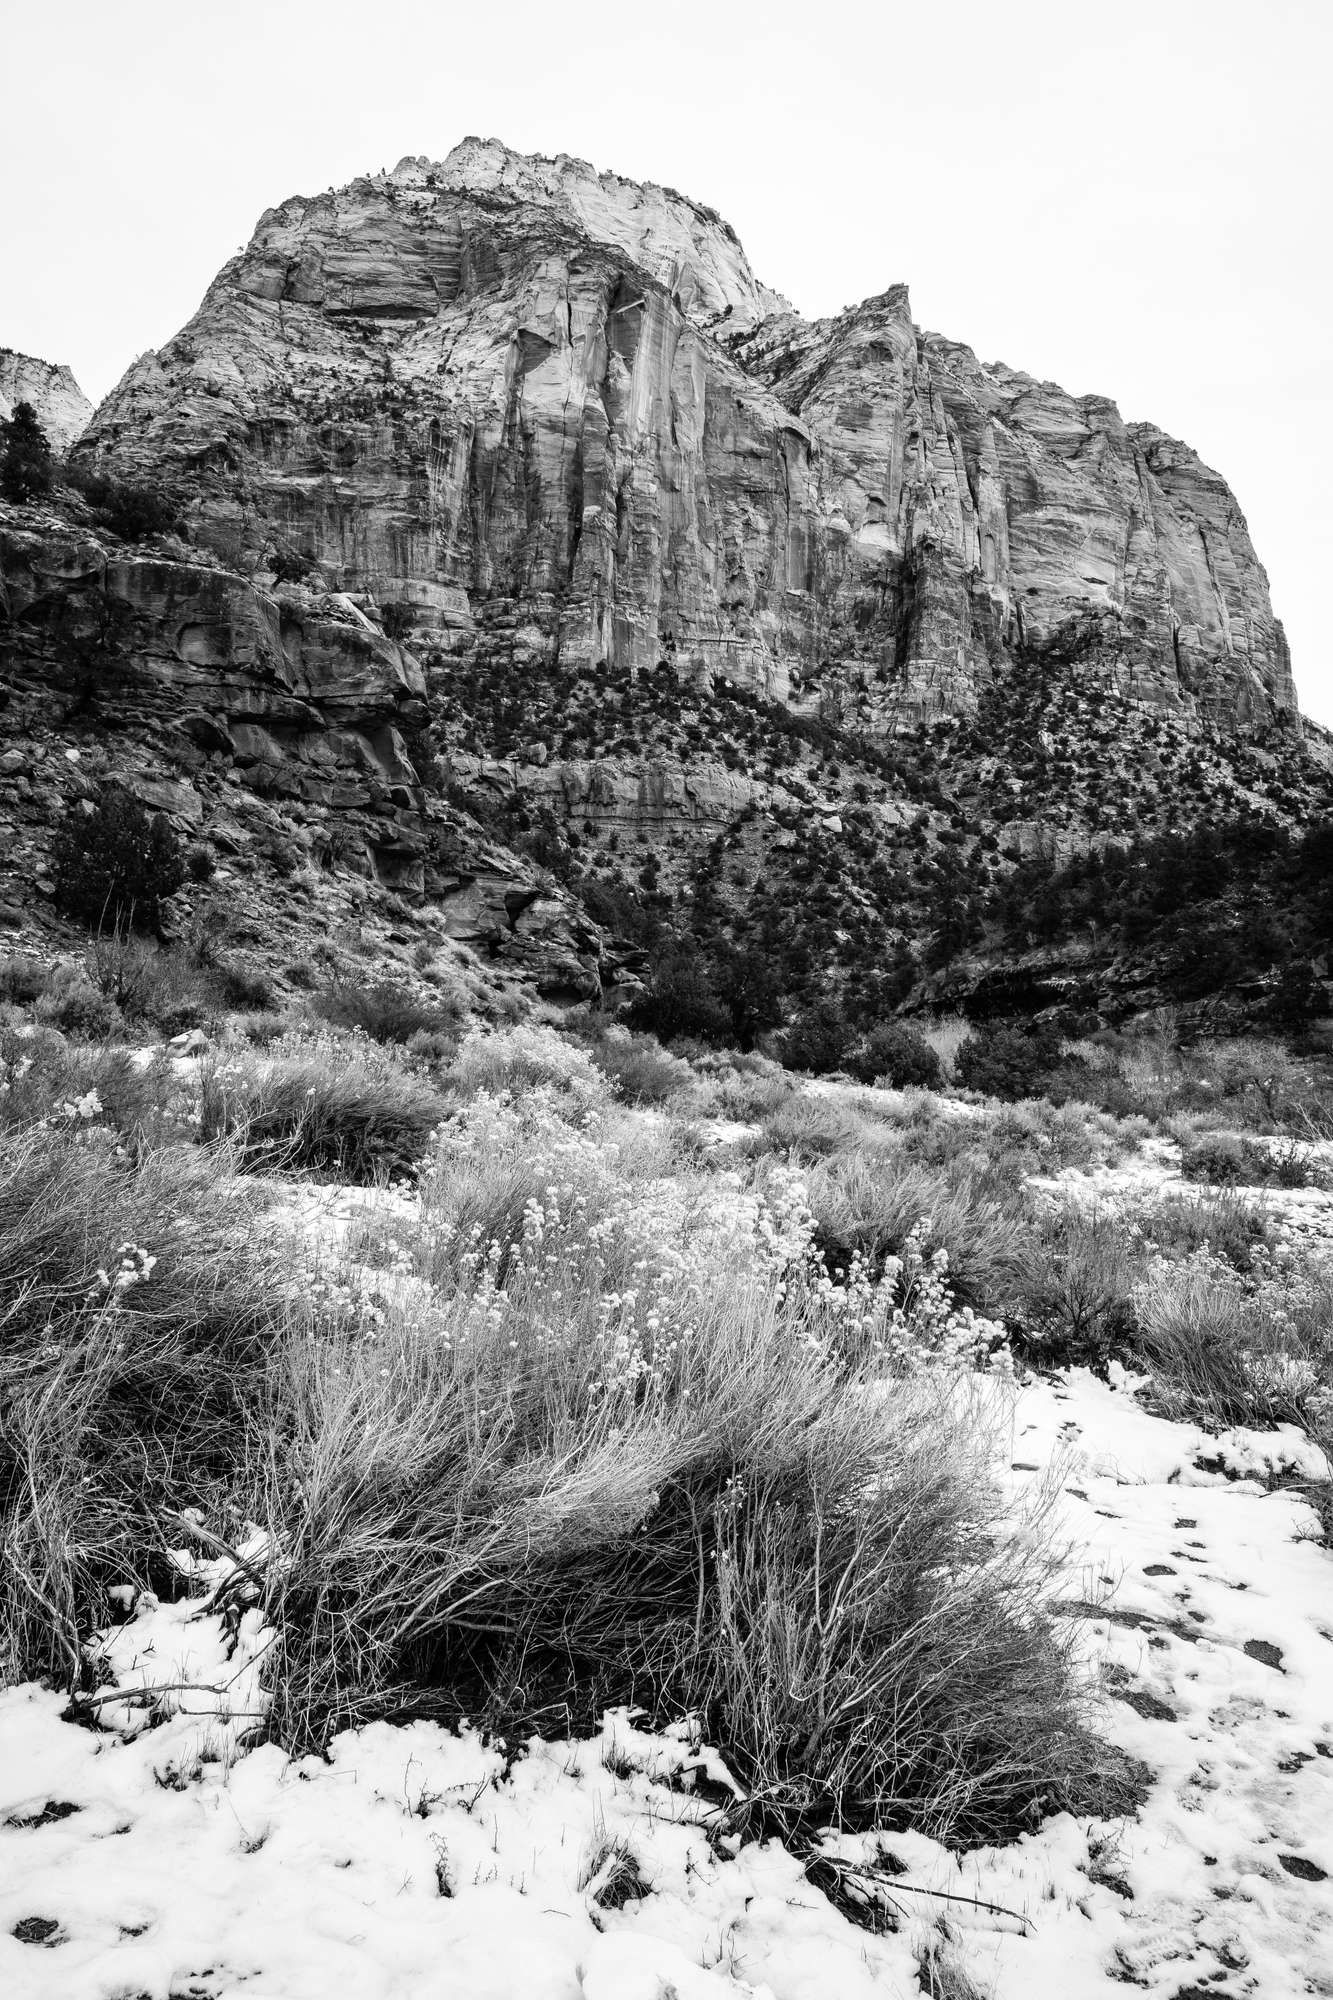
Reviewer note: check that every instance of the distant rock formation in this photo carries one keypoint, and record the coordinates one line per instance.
(500, 384)
(545, 578)
(63, 410)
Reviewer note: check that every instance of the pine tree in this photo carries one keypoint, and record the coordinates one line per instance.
(25, 456)
(116, 865)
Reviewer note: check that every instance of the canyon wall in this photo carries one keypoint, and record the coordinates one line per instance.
(499, 390)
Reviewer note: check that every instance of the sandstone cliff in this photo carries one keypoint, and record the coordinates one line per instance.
(274, 724)
(546, 579)
(500, 382)
(62, 409)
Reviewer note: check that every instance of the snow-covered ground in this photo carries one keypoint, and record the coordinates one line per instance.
(171, 1861)
(1152, 1173)
(159, 1853)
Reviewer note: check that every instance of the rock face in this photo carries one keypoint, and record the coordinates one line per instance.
(274, 723)
(63, 410)
(506, 393)
(547, 583)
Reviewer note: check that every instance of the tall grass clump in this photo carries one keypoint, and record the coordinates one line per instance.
(1228, 1223)
(869, 1208)
(742, 1086)
(1240, 1347)
(322, 1106)
(523, 1059)
(640, 1070)
(1076, 1295)
(139, 1314)
(387, 1010)
(643, 1447)
(46, 1079)
(1228, 1159)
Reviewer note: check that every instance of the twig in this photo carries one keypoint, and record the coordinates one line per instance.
(973, 1902)
(138, 1693)
(256, 1576)
(872, 1880)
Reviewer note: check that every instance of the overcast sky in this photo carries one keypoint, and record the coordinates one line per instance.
(1132, 200)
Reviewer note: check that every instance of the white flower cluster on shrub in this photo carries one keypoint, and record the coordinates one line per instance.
(639, 1258)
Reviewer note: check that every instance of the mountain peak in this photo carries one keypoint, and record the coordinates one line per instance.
(63, 411)
(512, 376)
(683, 244)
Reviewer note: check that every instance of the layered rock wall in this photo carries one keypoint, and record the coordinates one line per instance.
(271, 721)
(513, 386)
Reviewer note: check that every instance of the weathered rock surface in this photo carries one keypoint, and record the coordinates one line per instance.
(499, 382)
(273, 723)
(63, 410)
(1005, 515)
(540, 561)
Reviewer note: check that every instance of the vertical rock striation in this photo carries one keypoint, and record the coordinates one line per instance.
(63, 411)
(512, 394)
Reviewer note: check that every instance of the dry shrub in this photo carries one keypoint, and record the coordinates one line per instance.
(872, 1206)
(1234, 1349)
(116, 1405)
(523, 1059)
(1076, 1299)
(78, 1009)
(330, 1109)
(1055, 1136)
(606, 1454)
(810, 1127)
(1226, 1159)
(748, 1088)
(387, 1010)
(1154, 1072)
(1226, 1222)
(1002, 1141)
(640, 1070)
(821, 1571)
(1260, 1077)
(618, 1456)
(44, 1077)
(22, 979)
(161, 987)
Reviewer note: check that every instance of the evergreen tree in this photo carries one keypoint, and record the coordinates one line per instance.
(25, 456)
(817, 1040)
(681, 999)
(747, 985)
(115, 865)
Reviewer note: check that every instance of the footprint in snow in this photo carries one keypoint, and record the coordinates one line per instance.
(1303, 1870)
(1262, 1650)
(36, 1930)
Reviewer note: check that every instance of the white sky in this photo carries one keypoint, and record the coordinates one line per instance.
(1136, 200)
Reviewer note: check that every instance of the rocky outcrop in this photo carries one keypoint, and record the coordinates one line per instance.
(275, 724)
(63, 410)
(536, 560)
(976, 516)
(509, 384)
(293, 681)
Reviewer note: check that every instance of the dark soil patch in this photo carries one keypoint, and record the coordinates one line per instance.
(1303, 1870)
(53, 1810)
(36, 1930)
